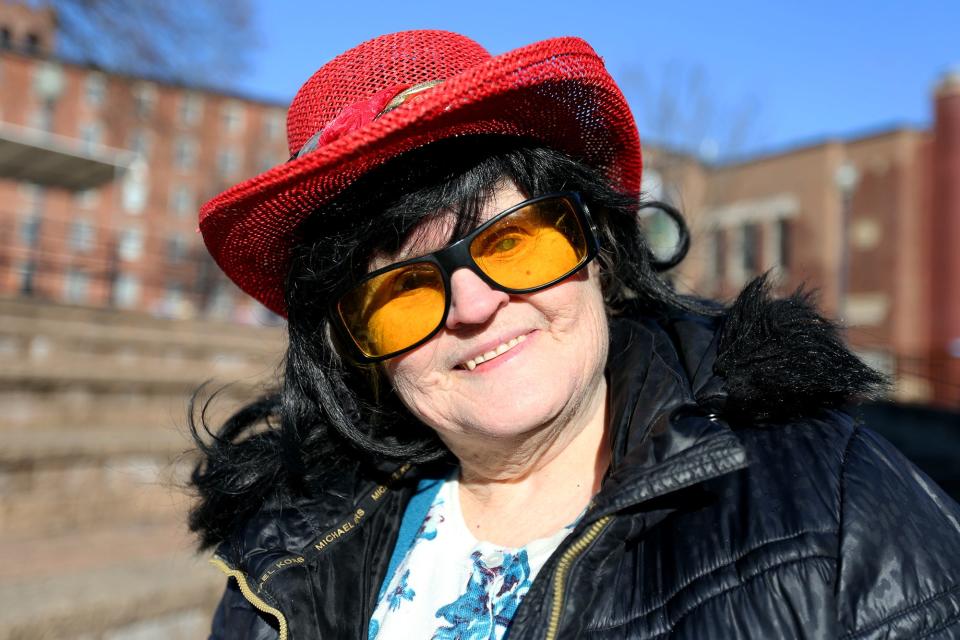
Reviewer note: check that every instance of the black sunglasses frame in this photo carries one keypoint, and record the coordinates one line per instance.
(457, 256)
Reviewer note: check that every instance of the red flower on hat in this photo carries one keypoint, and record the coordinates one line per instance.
(357, 115)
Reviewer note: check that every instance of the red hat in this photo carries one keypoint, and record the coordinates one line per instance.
(399, 92)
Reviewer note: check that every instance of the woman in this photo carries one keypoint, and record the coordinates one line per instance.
(495, 419)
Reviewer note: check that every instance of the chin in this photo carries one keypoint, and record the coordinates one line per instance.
(525, 406)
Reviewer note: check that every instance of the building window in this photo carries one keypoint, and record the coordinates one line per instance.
(42, 118)
(47, 85)
(174, 303)
(177, 248)
(782, 234)
(32, 197)
(191, 108)
(865, 233)
(31, 192)
(719, 255)
(220, 304)
(91, 134)
(866, 309)
(228, 162)
(82, 235)
(48, 80)
(185, 154)
(76, 286)
(87, 199)
(144, 99)
(182, 201)
(130, 244)
(141, 143)
(32, 44)
(126, 291)
(27, 272)
(95, 89)
(750, 248)
(273, 124)
(136, 187)
(232, 114)
(30, 230)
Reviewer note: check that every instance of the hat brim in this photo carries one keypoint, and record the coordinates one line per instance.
(556, 91)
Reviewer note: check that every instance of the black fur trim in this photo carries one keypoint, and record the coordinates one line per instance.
(781, 359)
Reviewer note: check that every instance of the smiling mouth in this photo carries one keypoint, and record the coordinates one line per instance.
(501, 349)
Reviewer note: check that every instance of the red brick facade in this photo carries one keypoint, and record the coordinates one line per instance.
(895, 226)
(131, 243)
(945, 256)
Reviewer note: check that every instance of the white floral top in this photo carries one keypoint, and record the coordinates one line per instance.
(451, 586)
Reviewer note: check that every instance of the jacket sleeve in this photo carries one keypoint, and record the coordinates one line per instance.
(237, 619)
(899, 556)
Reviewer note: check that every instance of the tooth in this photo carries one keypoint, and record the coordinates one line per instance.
(502, 349)
(489, 355)
(479, 359)
(521, 338)
(471, 365)
(512, 343)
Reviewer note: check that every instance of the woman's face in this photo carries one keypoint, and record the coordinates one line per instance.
(543, 353)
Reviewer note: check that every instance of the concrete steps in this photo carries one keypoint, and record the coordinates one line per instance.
(93, 465)
(64, 366)
(140, 582)
(71, 479)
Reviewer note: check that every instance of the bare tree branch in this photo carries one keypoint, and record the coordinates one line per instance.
(683, 112)
(195, 41)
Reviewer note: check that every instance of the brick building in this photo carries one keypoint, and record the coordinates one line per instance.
(101, 176)
(871, 222)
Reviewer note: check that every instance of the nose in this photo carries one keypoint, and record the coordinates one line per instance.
(472, 301)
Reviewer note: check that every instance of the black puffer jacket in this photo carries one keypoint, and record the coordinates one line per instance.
(740, 505)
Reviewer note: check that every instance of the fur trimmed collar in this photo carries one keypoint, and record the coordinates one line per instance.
(773, 359)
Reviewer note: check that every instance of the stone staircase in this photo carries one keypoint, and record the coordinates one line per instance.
(94, 458)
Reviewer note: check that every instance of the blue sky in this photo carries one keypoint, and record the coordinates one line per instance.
(771, 74)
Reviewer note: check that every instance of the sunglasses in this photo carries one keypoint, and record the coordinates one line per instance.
(526, 248)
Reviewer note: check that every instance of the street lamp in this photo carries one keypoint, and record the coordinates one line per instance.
(846, 178)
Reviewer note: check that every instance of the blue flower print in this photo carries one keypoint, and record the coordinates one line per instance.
(480, 613)
(428, 530)
(401, 592)
(374, 630)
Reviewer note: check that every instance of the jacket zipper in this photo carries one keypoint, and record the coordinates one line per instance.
(251, 597)
(563, 568)
(332, 536)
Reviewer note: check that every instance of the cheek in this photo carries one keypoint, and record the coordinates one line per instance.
(580, 309)
(417, 374)
(581, 325)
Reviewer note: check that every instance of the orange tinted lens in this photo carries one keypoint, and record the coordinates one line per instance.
(394, 310)
(532, 246)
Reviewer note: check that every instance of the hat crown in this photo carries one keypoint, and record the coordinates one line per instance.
(395, 60)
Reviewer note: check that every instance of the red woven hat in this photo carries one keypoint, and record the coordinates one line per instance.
(405, 90)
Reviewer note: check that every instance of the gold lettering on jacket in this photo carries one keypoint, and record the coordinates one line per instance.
(345, 527)
(282, 564)
(340, 530)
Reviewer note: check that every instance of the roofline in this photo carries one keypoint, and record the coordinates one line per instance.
(156, 79)
(813, 142)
